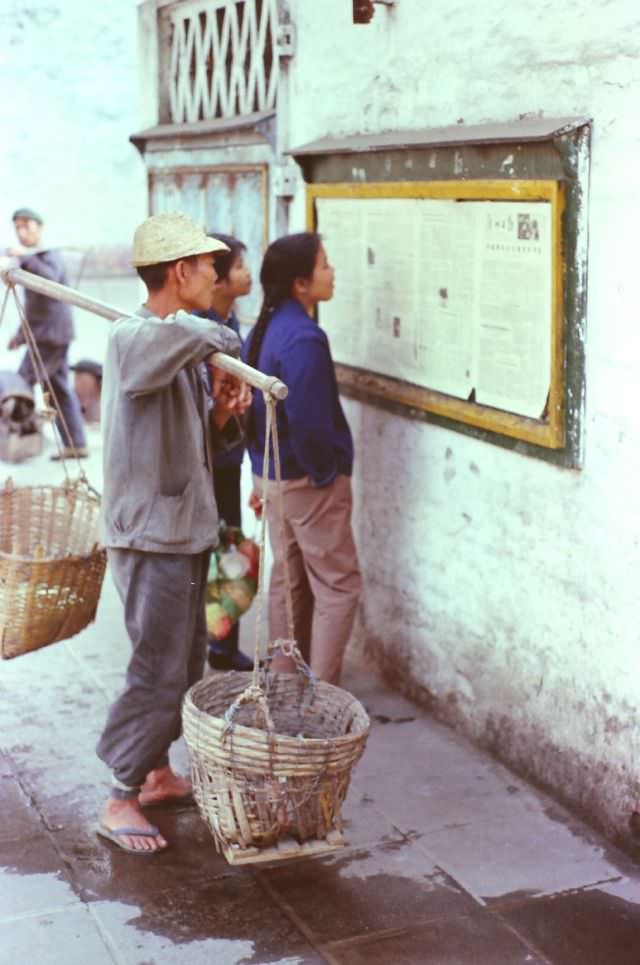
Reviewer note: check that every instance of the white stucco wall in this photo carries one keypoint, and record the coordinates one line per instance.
(69, 82)
(504, 590)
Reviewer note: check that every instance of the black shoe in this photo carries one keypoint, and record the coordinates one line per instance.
(81, 452)
(222, 659)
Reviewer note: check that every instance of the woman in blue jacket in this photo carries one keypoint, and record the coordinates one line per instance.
(316, 452)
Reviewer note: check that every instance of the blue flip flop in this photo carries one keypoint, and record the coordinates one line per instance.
(115, 835)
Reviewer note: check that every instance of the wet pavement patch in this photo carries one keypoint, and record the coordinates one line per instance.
(592, 926)
(19, 818)
(102, 871)
(365, 891)
(474, 938)
(232, 910)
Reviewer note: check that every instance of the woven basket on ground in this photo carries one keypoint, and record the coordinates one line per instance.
(51, 567)
(255, 787)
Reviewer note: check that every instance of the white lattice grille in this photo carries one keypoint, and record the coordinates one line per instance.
(223, 58)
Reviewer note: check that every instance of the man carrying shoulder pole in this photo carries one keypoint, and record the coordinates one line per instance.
(52, 327)
(159, 514)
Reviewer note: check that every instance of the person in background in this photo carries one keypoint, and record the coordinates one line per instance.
(234, 281)
(316, 453)
(159, 516)
(52, 326)
(87, 385)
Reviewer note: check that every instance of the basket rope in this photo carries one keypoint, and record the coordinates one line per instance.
(7, 292)
(271, 439)
(44, 380)
(51, 564)
(255, 692)
(281, 770)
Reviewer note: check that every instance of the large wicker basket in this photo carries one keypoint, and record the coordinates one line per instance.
(51, 567)
(254, 787)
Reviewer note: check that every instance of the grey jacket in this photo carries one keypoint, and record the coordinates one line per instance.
(158, 487)
(50, 320)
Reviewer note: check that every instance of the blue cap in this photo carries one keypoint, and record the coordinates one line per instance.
(89, 366)
(27, 213)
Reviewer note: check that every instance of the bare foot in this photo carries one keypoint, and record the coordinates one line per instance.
(162, 786)
(127, 814)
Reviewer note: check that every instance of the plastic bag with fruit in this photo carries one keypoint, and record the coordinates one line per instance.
(232, 580)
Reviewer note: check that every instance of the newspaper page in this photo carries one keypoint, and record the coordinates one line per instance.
(448, 295)
(445, 294)
(514, 306)
(341, 223)
(390, 287)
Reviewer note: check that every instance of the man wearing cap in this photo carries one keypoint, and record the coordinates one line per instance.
(87, 385)
(158, 511)
(52, 326)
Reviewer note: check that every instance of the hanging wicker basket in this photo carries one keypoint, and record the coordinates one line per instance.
(51, 566)
(260, 783)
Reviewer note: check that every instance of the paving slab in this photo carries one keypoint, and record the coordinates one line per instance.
(590, 926)
(228, 919)
(525, 853)
(103, 871)
(70, 936)
(20, 819)
(364, 823)
(478, 939)
(358, 892)
(442, 780)
(33, 879)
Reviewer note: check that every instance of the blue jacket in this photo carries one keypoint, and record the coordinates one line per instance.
(314, 436)
(233, 456)
(50, 320)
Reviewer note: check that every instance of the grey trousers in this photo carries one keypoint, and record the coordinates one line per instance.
(54, 358)
(163, 596)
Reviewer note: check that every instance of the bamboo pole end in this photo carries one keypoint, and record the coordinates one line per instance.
(278, 390)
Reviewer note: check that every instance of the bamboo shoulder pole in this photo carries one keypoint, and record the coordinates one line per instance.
(17, 276)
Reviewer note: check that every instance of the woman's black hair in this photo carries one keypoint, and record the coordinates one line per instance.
(225, 259)
(288, 258)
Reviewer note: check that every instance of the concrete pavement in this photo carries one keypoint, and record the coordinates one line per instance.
(451, 859)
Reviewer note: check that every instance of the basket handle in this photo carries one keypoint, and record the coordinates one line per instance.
(251, 695)
(290, 648)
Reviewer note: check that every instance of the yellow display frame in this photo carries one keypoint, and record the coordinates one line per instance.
(549, 432)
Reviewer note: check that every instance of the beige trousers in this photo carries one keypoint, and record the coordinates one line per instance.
(323, 565)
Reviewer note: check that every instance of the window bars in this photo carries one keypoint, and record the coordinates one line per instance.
(222, 58)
